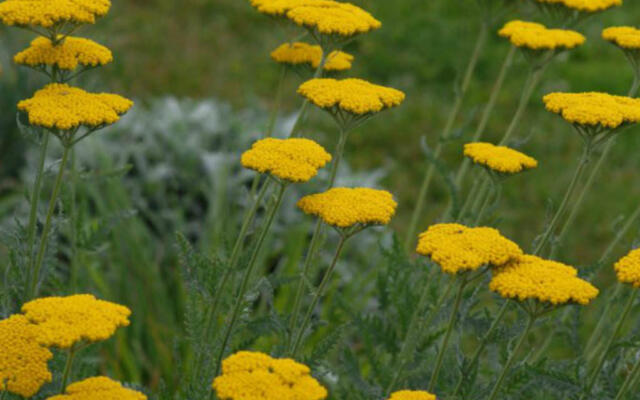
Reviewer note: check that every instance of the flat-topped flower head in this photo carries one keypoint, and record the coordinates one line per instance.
(535, 36)
(457, 248)
(585, 6)
(292, 160)
(60, 106)
(501, 159)
(252, 375)
(347, 207)
(628, 268)
(531, 277)
(65, 321)
(625, 37)
(23, 361)
(66, 55)
(594, 109)
(299, 53)
(354, 96)
(47, 13)
(412, 395)
(98, 388)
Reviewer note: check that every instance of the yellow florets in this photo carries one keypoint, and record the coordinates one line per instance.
(23, 361)
(98, 388)
(628, 268)
(252, 375)
(47, 13)
(303, 53)
(501, 159)
(355, 96)
(457, 248)
(531, 277)
(66, 55)
(412, 395)
(64, 321)
(625, 37)
(64, 107)
(588, 6)
(594, 109)
(537, 37)
(346, 207)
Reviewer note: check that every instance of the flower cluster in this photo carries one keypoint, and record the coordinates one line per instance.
(531, 277)
(535, 36)
(67, 55)
(98, 388)
(253, 375)
(458, 248)
(412, 395)
(501, 159)
(298, 53)
(594, 109)
(587, 6)
(293, 160)
(47, 13)
(628, 268)
(626, 37)
(346, 207)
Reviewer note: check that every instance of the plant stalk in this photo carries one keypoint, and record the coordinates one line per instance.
(631, 378)
(67, 368)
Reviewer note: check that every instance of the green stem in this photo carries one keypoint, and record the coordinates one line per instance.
(305, 102)
(278, 101)
(73, 222)
(67, 368)
(633, 375)
(602, 320)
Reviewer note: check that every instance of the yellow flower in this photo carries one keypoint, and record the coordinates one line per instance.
(625, 37)
(64, 321)
(293, 160)
(628, 268)
(457, 248)
(64, 107)
(531, 277)
(501, 159)
(47, 13)
(23, 361)
(346, 207)
(588, 6)
(302, 53)
(412, 395)
(355, 96)
(594, 109)
(98, 388)
(66, 55)
(537, 37)
(252, 375)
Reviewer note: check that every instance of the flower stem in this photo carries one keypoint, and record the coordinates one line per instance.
(74, 221)
(602, 320)
(635, 372)
(305, 102)
(71, 353)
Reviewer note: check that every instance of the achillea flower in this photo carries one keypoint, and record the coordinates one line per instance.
(303, 53)
(98, 388)
(531, 277)
(346, 207)
(594, 109)
(501, 159)
(253, 375)
(65, 321)
(412, 395)
(587, 6)
(536, 36)
(355, 96)
(64, 107)
(66, 55)
(628, 268)
(47, 13)
(457, 248)
(23, 361)
(292, 160)
(625, 37)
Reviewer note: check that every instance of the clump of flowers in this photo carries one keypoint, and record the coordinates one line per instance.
(594, 109)
(500, 159)
(98, 388)
(299, 53)
(49, 13)
(626, 37)
(536, 36)
(587, 6)
(412, 395)
(67, 55)
(628, 268)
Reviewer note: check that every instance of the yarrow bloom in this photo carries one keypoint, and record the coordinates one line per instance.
(536, 36)
(594, 109)
(298, 53)
(586, 6)
(531, 277)
(60, 106)
(65, 321)
(98, 388)
(458, 248)
(501, 159)
(346, 207)
(66, 55)
(47, 13)
(355, 96)
(252, 375)
(625, 37)
(628, 268)
(23, 361)
(292, 160)
(412, 395)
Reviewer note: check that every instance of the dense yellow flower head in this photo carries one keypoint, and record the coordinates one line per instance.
(64, 321)
(346, 207)
(588, 6)
(293, 160)
(303, 53)
(458, 248)
(65, 107)
(412, 395)
(626, 37)
(531, 277)
(355, 96)
(256, 376)
(594, 109)
(628, 268)
(501, 159)
(98, 388)
(538, 37)
(47, 13)
(23, 361)
(67, 55)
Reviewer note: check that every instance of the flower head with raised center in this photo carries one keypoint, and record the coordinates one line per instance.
(628, 268)
(501, 159)
(47, 13)
(23, 360)
(594, 109)
(586, 6)
(65, 321)
(298, 53)
(292, 160)
(98, 388)
(66, 55)
(536, 36)
(412, 395)
(625, 37)
(252, 375)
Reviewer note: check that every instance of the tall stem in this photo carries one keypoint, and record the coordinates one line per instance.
(305, 102)
(635, 372)
(595, 334)
(73, 223)
(67, 368)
